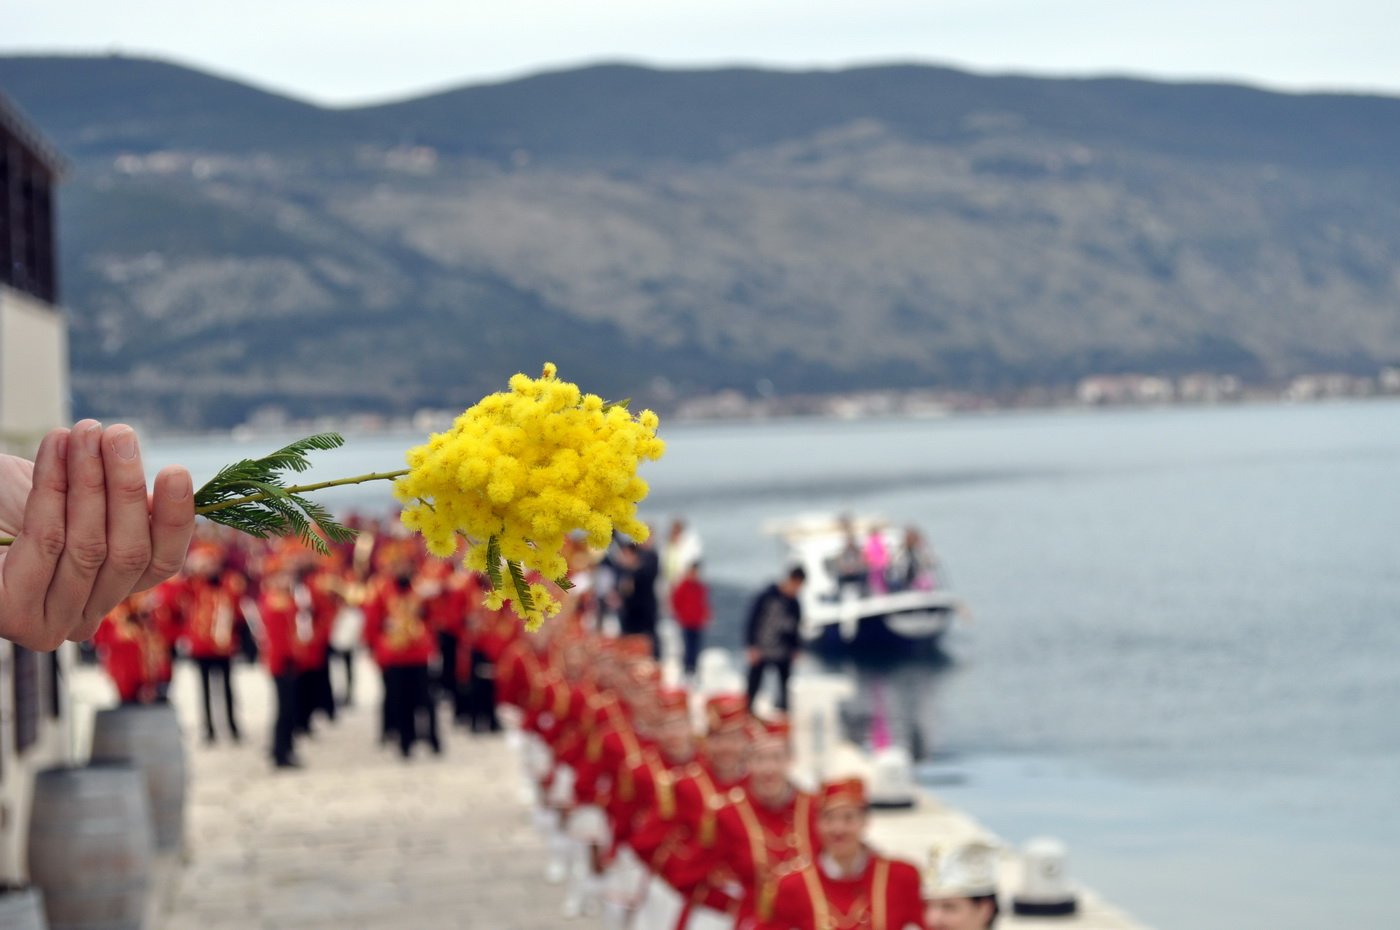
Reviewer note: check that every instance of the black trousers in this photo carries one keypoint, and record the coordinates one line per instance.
(207, 668)
(447, 671)
(690, 642)
(784, 669)
(313, 694)
(481, 695)
(284, 729)
(409, 699)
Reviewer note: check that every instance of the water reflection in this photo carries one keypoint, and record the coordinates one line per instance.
(897, 701)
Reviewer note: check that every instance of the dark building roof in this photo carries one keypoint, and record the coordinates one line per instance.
(14, 123)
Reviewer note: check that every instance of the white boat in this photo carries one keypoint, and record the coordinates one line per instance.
(840, 613)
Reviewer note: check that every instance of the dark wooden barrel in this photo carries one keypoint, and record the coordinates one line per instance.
(149, 736)
(21, 909)
(90, 846)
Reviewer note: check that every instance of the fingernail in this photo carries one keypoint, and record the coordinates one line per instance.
(178, 487)
(92, 439)
(124, 443)
(60, 447)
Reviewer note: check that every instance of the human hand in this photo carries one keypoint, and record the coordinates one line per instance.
(86, 532)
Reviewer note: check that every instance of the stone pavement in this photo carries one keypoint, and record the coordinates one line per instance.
(358, 838)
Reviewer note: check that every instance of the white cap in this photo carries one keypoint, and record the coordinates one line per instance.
(965, 870)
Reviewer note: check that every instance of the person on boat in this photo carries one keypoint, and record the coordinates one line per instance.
(877, 562)
(772, 638)
(914, 566)
(849, 566)
(848, 886)
(960, 887)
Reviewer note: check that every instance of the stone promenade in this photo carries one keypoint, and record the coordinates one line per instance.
(358, 838)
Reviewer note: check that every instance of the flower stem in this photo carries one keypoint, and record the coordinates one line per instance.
(303, 489)
(297, 489)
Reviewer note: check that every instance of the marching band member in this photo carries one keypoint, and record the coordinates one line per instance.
(683, 892)
(209, 602)
(762, 826)
(278, 647)
(960, 887)
(847, 886)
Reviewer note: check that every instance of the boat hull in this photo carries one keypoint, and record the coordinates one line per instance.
(883, 633)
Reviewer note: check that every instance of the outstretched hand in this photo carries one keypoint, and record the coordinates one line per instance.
(87, 533)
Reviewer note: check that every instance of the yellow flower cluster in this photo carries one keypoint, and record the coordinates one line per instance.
(518, 473)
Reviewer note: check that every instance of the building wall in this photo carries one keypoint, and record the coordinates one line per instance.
(33, 371)
(51, 746)
(33, 400)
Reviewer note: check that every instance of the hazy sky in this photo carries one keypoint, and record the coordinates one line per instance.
(343, 51)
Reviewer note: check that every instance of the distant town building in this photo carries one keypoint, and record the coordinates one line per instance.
(1390, 380)
(33, 331)
(1124, 389)
(35, 718)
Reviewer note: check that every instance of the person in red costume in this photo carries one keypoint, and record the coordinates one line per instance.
(847, 886)
(209, 605)
(687, 888)
(764, 825)
(652, 772)
(448, 593)
(404, 646)
(316, 591)
(123, 643)
(279, 647)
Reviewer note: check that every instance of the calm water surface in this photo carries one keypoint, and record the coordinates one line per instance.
(1184, 650)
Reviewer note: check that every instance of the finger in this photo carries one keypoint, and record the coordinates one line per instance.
(128, 528)
(85, 541)
(33, 558)
(172, 525)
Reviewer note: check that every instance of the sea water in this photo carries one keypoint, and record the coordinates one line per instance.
(1182, 653)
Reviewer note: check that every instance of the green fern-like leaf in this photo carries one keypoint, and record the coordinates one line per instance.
(251, 496)
(525, 600)
(493, 564)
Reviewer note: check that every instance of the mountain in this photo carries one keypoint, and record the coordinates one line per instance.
(661, 233)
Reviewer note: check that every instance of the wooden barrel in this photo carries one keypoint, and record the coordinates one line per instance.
(148, 735)
(21, 909)
(90, 846)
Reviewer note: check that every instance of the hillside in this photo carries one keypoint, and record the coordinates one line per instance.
(660, 233)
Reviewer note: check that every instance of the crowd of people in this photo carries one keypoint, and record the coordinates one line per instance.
(651, 823)
(874, 566)
(658, 824)
(423, 621)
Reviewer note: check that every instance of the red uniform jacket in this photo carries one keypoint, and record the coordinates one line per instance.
(121, 647)
(677, 849)
(758, 844)
(396, 630)
(279, 640)
(884, 896)
(211, 616)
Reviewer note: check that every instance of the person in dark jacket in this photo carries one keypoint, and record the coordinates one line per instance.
(773, 637)
(636, 587)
